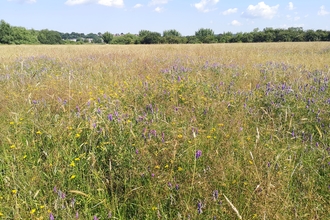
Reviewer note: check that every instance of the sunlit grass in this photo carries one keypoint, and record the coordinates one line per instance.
(165, 131)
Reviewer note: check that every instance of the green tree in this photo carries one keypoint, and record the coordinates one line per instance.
(107, 37)
(23, 36)
(143, 33)
(49, 37)
(171, 33)
(205, 35)
(225, 37)
(151, 38)
(6, 33)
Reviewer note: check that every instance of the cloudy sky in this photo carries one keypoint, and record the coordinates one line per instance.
(186, 16)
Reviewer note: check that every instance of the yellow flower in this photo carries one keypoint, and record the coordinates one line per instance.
(180, 169)
(154, 208)
(39, 132)
(208, 136)
(72, 177)
(220, 125)
(77, 135)
(251, 162)
(33, 211)
(11, 122)
(166, 166)
(72, 164)
(25, 156)
(12, 146)
(77, 159)
(180, 136)
(42, 206)
(14, 191)
(1, 214)
(157, 167)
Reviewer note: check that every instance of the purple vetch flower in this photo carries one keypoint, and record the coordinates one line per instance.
(152, 175)
(55, 189)
(163, 137)
(198, 154)
(110, 117)
(137, 151)
(77, 215)
(177, 187)
(169, 184)
(51, 216)
(153, 132)
(199, 207)
(215, 194)
(77, 108)
(95, 218)
(34, 101)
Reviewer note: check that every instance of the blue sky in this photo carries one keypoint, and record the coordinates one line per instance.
(186, 16)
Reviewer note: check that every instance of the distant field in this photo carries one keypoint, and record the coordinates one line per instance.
(223, 131)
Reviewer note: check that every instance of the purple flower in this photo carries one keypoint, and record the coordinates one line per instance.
(215, 194)
(199, 207)
(110, 117)
(177, 187)
(198, 154)
(51, 216)
(95, 218)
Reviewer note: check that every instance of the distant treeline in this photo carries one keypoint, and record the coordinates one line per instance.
(20, 35)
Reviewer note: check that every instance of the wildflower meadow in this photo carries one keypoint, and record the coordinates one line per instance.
(218, 131)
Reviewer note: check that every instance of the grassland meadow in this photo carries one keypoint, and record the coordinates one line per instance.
(224, 131)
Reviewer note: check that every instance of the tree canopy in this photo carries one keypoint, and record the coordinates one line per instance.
(19, 35)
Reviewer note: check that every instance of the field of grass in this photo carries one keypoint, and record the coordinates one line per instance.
(234, 131)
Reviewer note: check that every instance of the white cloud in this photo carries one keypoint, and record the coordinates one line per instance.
(138, 6)
(296, 18)
(236, 23)
(290, 6)
(204, 5)
(230, 11)
(158, 2)
(24, 1)
(77, 2)
(115, 3)
(261, 10)
(158, 9)
(110, 3)
(322, 11)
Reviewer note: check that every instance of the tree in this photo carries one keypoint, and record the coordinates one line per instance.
(143, 33)
(171, 33)
(225, 37)
(107, 37)
(6, 33)
(49, 37)
(151, 38)
(205, 35)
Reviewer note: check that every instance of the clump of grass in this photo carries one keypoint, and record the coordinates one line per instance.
(164, 132)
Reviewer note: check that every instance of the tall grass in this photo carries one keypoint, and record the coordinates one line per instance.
(165, 132)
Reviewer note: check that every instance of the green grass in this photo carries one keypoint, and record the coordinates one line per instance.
(113, 131)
